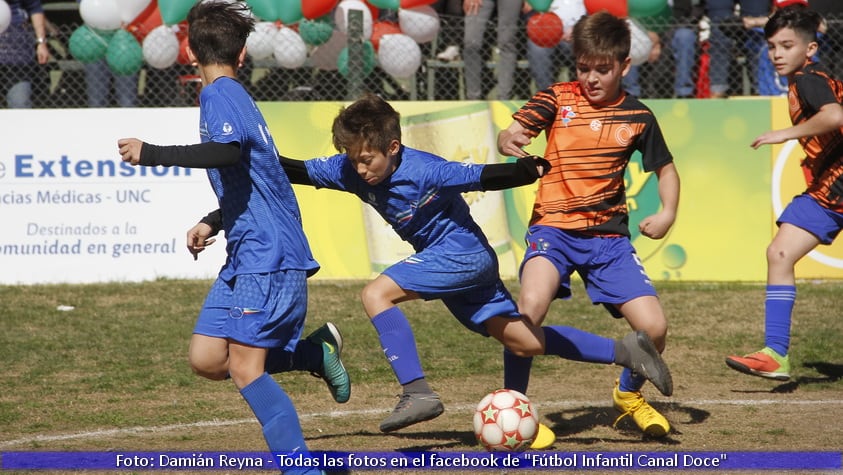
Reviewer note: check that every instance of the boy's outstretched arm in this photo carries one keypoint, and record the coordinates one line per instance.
(525, 170)
(201, 155)
(513, 139)
(829, 118)
(656, 226)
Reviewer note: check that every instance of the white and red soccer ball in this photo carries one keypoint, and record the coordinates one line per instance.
(505, 421)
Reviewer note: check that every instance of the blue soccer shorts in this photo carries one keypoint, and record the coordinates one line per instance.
(608, 266)
(468, 284)
(265, 310)
(804, 212)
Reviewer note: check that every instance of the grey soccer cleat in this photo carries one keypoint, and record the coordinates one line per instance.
(647, 361)
(332, 371)
(411, 409)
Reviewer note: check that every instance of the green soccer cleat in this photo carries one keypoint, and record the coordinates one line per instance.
(333, 372)
(765, 363)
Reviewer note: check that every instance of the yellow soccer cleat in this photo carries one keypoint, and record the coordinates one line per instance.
(544, 438)
(645, 416)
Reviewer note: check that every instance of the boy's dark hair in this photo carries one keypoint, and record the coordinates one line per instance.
(217, 31)
(369, 122)
(601, 36)
(796, 17)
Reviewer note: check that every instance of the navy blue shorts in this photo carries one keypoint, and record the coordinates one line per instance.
(468, 284)
(263, 310)
(804, 212)
(608, 266)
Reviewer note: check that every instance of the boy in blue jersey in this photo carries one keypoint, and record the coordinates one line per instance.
(419, 195)
(252, 319)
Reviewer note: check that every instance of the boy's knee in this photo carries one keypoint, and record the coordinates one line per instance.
(212, 372)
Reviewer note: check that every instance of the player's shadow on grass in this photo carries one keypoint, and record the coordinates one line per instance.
(570, 423)
(831, 373)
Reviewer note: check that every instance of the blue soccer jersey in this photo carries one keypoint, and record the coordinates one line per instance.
(421, 200)
(261, 216)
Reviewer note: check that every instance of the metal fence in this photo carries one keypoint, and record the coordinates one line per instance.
(62, 82)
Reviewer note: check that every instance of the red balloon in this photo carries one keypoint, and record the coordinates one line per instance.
(545, 29)
(313, 9)
(415, 3)
(380, 28)
(619, 8)
(146, 21)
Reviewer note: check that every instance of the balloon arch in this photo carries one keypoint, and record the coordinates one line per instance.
(131, 33)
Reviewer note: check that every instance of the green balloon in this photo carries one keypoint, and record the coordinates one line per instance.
(124, 55)
(318, 31)
(386, 4)
(266, 10)
(540, 5)
(174, 11)
(88, 45)
(369, 59)
(289, 11)
(645, 8)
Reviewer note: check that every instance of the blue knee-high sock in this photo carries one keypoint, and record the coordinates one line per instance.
(277, 416)
(631, 381)
(574, 344)
(516, 371)
(399, 344)
(778, 308)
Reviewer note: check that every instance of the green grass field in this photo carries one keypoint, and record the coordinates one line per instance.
(112, 374)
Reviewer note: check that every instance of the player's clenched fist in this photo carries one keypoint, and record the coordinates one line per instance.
(130, 150)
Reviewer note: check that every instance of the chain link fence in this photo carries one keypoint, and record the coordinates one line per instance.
(66, 82)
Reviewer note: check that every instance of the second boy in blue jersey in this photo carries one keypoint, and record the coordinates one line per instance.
(419, 195)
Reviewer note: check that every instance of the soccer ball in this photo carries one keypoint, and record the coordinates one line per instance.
(505, 421)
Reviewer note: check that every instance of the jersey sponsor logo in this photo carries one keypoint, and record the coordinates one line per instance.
(568, 115)
(623, 135)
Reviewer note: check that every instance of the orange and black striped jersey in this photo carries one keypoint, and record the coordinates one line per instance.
(589, 148)
(812, 88)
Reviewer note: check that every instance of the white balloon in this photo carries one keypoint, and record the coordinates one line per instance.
(259, 44)
(100, 14)
(161, 47)
(290, 49)
(419, 23)
(341, 16)
(399, 55)
(569, 11)
(325, 56)
(5, 16)
(130, 9)
(641, 44)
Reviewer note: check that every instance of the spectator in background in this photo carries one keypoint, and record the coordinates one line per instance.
(477, 16)
(17, 59)
(720, 12)
(99, 79)
(451, 12)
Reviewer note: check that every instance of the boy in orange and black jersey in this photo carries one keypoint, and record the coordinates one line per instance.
(816, 216)
(580, 218)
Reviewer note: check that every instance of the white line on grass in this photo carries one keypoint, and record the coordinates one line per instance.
(359, 412)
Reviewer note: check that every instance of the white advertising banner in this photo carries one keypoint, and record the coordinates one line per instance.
(71, 211)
